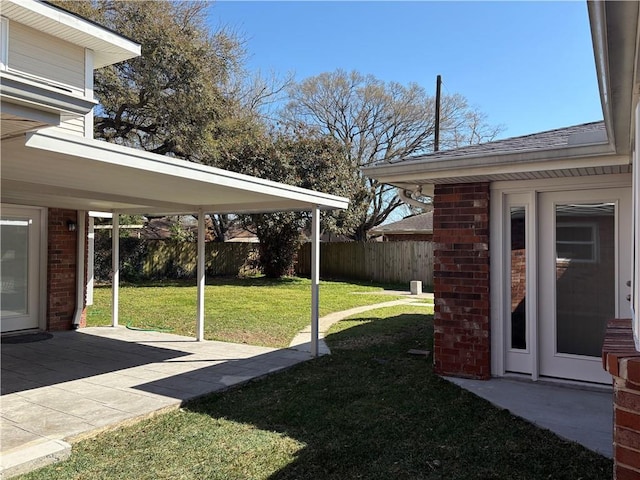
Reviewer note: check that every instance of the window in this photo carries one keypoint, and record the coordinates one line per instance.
(576, 242)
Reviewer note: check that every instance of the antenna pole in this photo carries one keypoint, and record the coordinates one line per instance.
(436, 140)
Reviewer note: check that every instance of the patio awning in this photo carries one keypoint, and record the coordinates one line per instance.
(53, 169)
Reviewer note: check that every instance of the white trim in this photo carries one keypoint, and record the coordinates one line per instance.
(44, 265)
(561, 184)
(4, 43)
(201, 277)
(88, 91)
(80, 281)
(91, 251)
(496, 247)
(115, 267)
(423, 171)
(315, 279)
(635, 280)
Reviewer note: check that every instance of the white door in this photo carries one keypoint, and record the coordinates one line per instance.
(582, 277)
(19, 268)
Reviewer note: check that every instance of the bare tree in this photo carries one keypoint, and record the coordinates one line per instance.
(379, 122)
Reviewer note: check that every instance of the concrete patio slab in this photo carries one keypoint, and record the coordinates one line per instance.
(581, 414)
(76, 384)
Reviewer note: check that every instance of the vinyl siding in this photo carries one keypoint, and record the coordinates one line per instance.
(71, 124)
(46, 58)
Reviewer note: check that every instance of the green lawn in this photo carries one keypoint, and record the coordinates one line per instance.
(368, 411)
(257, 311)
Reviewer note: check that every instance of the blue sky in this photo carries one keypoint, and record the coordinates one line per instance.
(528, 65)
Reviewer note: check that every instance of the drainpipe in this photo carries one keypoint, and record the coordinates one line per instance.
(406, 195)
(80, 284)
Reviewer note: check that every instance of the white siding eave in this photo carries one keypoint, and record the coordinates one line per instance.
(496, 164)
(109, 47)
(16, 89)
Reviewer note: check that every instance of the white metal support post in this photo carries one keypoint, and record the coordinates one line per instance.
(115, 266)
(315, 278)
(91, 252)
(201, 278)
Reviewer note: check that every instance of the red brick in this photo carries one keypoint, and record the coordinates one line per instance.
(623, 473)
(627, 438)
(627, 457)
(627, 419)
(628, 399)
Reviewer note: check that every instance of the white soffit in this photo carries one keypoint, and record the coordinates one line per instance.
(108, 46)
(565, 162)
(66, 171)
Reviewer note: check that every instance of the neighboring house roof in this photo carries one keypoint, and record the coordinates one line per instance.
(416, 224)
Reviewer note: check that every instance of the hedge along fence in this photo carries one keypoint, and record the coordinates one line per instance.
(385, 262)
(166, 259)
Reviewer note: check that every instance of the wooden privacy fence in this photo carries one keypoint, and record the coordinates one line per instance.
(171, 259)
(387, 262)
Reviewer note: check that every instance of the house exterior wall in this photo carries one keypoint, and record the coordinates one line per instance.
(44, 57)
(71, 124)
(62, 259)
(461, 280)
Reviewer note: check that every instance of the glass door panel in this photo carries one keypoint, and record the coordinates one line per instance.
(518, 253)
(580, 267)
(19, 268)
(585, 276)
(14, 266)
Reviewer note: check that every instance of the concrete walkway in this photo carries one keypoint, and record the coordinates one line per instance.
(302, 341)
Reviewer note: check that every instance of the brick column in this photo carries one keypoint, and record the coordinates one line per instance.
(461, 280)
(61, 269)
(622, 361)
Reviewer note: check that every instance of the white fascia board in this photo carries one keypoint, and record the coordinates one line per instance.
(100, 214)
(108, 46)
(492, 164)
(109, 153)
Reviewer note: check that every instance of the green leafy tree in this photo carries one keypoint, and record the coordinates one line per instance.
(379, 122)
(304, 159)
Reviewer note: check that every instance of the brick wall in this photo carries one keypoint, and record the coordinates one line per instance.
(622, 361)
(61, 269)
(461, 280)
